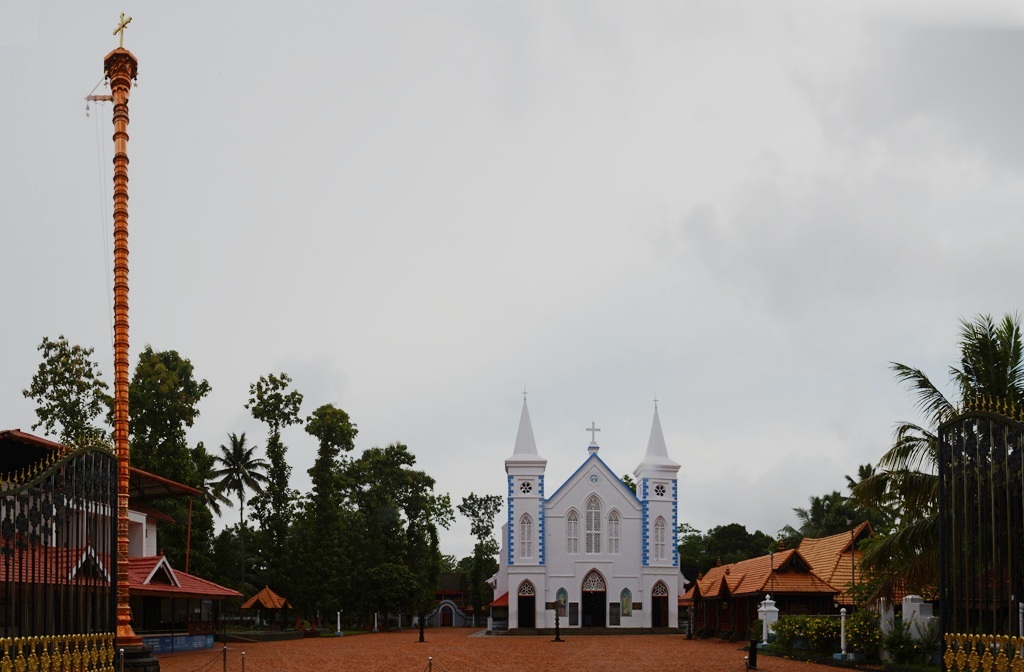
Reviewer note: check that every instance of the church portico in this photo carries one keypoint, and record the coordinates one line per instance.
(594, 552)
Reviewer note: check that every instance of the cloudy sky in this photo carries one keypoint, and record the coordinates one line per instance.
(416, 209)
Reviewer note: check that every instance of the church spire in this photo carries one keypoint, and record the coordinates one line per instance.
(525, 443)
(657, 452)
(525, 451)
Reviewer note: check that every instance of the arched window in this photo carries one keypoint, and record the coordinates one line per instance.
(626, 602)
(526, 536)
(561, 600)
(572, 532)
(659, 539)
(593, 524)
(613, 532)
(526, 589)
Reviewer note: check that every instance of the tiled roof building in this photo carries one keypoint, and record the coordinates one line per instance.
(813, 579)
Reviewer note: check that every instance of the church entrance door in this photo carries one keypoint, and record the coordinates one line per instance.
(527, 605)
(447, 619)
(594, 603)
(659, 606)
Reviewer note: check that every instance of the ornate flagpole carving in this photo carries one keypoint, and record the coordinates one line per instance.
(121, 69)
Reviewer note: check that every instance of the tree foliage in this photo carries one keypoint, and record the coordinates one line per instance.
(164, 396)
(69, 392)
(723, 544)
(481, 509)
(271, 402)
(239, 472)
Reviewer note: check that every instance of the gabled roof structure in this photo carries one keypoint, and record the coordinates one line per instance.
(835, 558)
(819, 566)
(786, 572)
(153, 575)
(267, 599)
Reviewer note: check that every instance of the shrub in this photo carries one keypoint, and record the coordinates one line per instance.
(904, 649)
(863, 634)
(790, 630)
(823, 634)
(756, 630)
(817, 633)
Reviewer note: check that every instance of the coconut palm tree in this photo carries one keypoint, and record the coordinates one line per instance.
(240, 471)
(206, 476)
(991, 365)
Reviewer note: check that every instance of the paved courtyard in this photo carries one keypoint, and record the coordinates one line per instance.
(460, 650)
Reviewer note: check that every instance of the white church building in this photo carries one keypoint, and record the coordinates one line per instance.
(591, 550)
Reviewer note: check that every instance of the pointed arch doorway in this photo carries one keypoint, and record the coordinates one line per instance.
(594, 602)
(527, 605)
(659, 605)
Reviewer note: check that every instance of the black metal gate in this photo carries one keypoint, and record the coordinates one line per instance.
(58, 538)
(981, 520)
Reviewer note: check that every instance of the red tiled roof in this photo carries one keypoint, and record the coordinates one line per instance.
(835, 559)
(785, 572)
(153, 575)
(267, 599)
(500, 601)
(55, 564)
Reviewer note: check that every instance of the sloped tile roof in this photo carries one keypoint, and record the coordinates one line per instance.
(785, 572)
(143, 581)
(267, 599)
(835, 559)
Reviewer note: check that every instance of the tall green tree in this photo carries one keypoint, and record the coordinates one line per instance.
(481, 509)
(69, 392)
(328, 516)
(398, 512)
(164, 396)
(271, 402)
(991, 365)
(163, 399)
(722, 544)
(240, 471)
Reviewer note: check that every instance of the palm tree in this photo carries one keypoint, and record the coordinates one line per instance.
(240, 471)
(991, 365)
(206, 475)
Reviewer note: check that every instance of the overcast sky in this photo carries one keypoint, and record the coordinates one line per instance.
(415, 209)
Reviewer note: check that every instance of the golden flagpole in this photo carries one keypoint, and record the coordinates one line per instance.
(121, 69)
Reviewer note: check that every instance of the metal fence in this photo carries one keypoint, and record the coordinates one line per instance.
(58, 535)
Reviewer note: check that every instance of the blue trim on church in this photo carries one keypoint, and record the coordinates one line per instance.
(593, 456)
(540, 518)
(675, 522)
(511, 517)
(645, 523)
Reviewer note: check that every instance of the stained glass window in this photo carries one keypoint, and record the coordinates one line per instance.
(526, 536)
(594, 583)
(593, 525)
(659, 539)
(572, 532)
(613, 532)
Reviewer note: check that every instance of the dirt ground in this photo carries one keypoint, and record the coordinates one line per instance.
(465, 650)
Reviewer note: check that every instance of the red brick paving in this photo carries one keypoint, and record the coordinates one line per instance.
(457, 650)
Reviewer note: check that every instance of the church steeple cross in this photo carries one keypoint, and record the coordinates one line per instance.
(593, 429)
(120, 28)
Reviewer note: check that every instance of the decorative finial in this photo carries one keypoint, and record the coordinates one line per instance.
(120, 28)
(655, 400)
(593, 429)
(524, 391)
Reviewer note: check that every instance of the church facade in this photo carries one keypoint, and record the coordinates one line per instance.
(590, 549)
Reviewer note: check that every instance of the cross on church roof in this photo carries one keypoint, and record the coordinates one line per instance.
(593, 433)
(120, 28)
